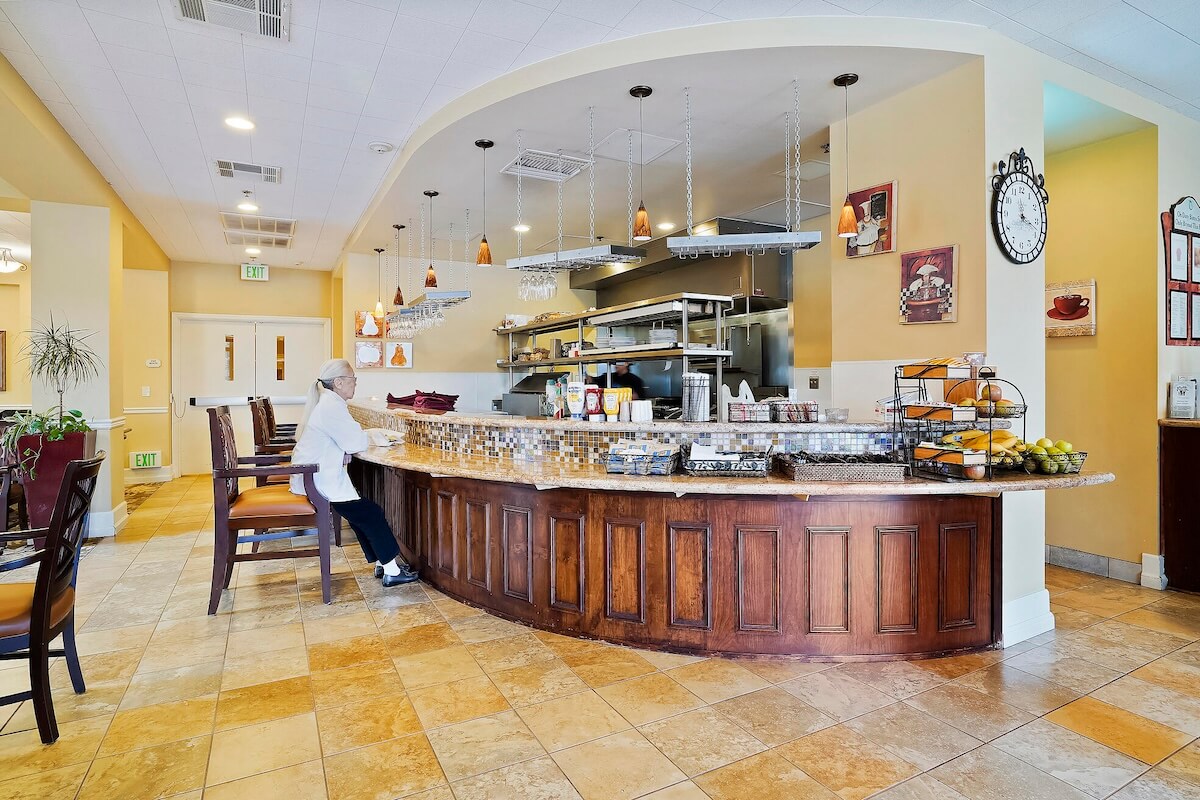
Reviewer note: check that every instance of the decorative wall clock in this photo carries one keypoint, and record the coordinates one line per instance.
(1019, 201)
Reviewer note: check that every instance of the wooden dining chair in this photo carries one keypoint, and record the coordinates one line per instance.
(271, 512)
(276, 429)
(12, 493)
(264, 443)
(33, 614)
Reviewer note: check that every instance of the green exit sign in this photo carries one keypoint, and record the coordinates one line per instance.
(255, 272)
(146, 459)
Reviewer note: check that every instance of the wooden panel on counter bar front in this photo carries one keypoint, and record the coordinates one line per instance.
(871, 576)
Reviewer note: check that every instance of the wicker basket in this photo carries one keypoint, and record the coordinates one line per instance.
(749, 465)
(795, 467)
(805, 411)
(749, 412)
(641, 464)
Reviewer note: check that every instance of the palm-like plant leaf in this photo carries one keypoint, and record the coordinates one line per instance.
(60, 356)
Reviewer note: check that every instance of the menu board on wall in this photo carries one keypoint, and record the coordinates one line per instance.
(1181, 244)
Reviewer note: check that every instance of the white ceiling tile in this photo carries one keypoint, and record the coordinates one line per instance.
(287, 91)
(143, 36)
(1094, 30)
(607, 13)
(617, 33)
(531, 55)
(143, 86)
(408, 65)
(924, 9)
(816, 8)
(269, 64)
(1051, 47)
(454, 12)
(139, 62)
(423, 36)
(29, 65)
(561, 32)
(398, 91)
(73, 72)
(1014, 30)
(1048, 16)
(142, 10)
(81, 50)
(392, 131)
(393, 110)
(337, 120)
(1185, 20)
(1006, 7)
(198, 73)
(352, 52)
(326, 136)
(208, 48)
(271, 114)
(335, 100)
(355, 20)
(47, 91)
(750, 9)
(11, 40)
(972, 12)
(466, 75)
(387, 5)
(657, 15)
(49, 17)
(480, 48)
(856, 6)
(218, 102)
(508, 19)
(339, 76)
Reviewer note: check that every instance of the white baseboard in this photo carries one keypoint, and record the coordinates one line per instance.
(107, 523)
(1026, 617)
(157, 475)
(1153, 568)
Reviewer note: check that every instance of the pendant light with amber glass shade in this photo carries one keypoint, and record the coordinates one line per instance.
(430, 274)
(641, 222)
(398, 299)
(484, 257)
(847, 222)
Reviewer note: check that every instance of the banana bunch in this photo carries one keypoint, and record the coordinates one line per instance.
(948, 362)
(1005, 448)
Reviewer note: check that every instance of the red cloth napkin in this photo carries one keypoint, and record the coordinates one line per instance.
(425, 401)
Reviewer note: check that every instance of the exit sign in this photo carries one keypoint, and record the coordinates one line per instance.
(147, 459)
(255, 272)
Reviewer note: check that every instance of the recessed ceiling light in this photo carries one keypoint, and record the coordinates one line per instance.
(666, 226)
(240, 123)
(247, 203)
(521, 228)
(380, 147)
(252, 251)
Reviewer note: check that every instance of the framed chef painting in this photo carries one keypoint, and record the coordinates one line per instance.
(927, 290)
(875, 211)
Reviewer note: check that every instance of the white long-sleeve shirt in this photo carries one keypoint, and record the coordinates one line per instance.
(328, 436)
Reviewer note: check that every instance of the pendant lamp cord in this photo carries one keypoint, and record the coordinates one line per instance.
(846, 112)
(641, 156)
(467, 249)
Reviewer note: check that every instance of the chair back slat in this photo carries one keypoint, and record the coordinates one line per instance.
(224, 449)
(64, 537)
(268, 409)
(262, 434)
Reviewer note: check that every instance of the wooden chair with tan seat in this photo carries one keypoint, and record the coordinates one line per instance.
(33, 614)
(271, 512)
(278, 430)
(265, 442)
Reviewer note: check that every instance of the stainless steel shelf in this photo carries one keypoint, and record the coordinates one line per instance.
(571, 320)
(602, 358)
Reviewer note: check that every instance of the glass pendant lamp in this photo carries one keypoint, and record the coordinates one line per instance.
(641, 222)
(431, 274)
(847, 222)
(379, 282)
(484, 257)
(398, 298)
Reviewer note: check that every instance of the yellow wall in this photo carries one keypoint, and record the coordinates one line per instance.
(219, 289)
(14, 320)
(930, 140)
(812, 296)
(147, 334)
(1102, 390)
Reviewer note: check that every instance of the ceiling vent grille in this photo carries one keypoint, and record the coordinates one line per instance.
(234, 169)
(250, 229)
(543, 166)
(257, 239)
(269, 18)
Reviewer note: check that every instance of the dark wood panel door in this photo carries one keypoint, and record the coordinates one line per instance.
(897, 551)
(689, 575)
(478, 520)
(568, 579)
(957, 578)
(517, 549)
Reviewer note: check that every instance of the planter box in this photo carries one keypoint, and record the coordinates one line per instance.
(41, 490)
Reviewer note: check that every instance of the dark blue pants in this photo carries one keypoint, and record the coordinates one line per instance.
(372, 529)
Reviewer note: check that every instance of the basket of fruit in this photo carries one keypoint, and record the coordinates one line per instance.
(1046, 457)
(1001, 409)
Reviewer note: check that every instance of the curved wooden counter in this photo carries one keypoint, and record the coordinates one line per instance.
(891, 570)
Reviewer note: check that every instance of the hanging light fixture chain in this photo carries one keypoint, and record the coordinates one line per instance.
(787, 171)
(630, 170)
(558, 246)
(520, 171)
(408, 263)
(796, 132)
(687, 127)
(467, 249)
(592, 174)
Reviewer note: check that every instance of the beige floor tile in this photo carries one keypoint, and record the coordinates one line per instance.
(391, 769)
(419, 639)
(256, 619)
(1189, 656)
(1070, 757)
(159, 724)
(1171, 674)
(957, 666)
(1119, 729)
(160, 771)
(169, 685)
(1184, 765)
(715, 680)
(242, 752)
(1157, 785)
(1072, 619)
(1101, 651)
(63, 782)
(847, 762)
(264, 702)
(346, 626)
(1144, 639)
(764, 775)
(665, 661)
(991, 774)
(618, 767)
(106, 641)
(484, 744)
(538, 682)
(1152, 701)
(1069, 671)
(366, 722)
(538, 779)
(265, 639)
(392, 620)
(913, 735)
(118, 665)
(972, 712)
(778, 670)
(649, 698)
(836, 694)
(1174, 624)
(23, 753)
(1060, 579)
(346, 652)
(172, 655)
(484, 628)
(436, 667)
(774, 716)
(181, 630)
(453, 610)
(701, 740)
(436, 793)
(1101, 604)
(247, 670)
(898, 679)
(921, 787)
(572, 720)
(510, 652)
(100, 700)
(1018, 688)
(607, 665)
(457, 701)
(684, 790)
(337, 687)
(300, 782)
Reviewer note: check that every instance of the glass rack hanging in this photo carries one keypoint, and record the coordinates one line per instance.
(692, 246)
(431, 305)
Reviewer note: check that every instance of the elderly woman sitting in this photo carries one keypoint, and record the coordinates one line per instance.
(326, 435)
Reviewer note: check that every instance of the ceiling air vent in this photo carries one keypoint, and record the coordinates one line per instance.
(543, 166)
(234, 169)
(261, 17)
(250, 229)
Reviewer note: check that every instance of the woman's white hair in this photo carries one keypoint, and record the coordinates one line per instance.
(332, 369)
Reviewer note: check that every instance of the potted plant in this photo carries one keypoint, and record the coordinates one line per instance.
(43, 443)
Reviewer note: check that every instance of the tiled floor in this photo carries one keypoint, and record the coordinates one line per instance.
(405, 693)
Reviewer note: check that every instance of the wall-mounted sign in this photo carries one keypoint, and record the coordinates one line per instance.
(1181, 246)
(255, 272)
(153, 363)
(146, 459)
(1187, 215)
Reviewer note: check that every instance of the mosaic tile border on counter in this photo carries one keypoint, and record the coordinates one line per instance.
(589, 443)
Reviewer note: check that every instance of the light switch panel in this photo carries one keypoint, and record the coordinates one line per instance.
(814, 382)
(145, 391)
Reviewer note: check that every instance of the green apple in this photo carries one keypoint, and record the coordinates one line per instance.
(1044, 442)
(1066, 447)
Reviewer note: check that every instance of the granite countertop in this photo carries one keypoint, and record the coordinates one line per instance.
(658, 426)
(549, 474)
